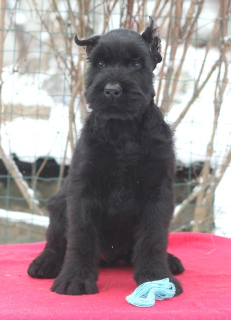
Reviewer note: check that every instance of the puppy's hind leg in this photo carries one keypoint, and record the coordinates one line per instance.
(49, 263)
(175, 265)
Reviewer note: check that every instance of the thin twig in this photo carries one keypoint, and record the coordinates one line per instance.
(107, 14)
(2, 25)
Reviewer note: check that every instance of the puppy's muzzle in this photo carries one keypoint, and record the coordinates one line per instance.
(112, 91)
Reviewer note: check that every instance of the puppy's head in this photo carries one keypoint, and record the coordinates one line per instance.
(120, 73)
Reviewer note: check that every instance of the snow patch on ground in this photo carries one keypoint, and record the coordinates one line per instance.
(31, 219)
(31, 139)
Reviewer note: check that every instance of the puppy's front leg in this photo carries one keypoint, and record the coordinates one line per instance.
(150, 251)
(80, 269)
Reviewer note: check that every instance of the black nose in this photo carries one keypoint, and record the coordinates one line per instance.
(112, 90)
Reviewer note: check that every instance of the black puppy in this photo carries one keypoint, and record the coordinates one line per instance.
(117, 201)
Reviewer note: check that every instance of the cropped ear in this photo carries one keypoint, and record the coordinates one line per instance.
(151, 36)
(88, 43)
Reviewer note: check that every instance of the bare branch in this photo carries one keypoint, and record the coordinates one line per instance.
(27, 193)
(194, 96)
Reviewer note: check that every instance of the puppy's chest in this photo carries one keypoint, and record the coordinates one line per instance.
(118, 167)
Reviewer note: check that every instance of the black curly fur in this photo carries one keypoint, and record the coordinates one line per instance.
(117, 201)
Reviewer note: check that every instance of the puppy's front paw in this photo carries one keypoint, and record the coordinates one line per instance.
(142, 278)
(178, 286)
(73, 285)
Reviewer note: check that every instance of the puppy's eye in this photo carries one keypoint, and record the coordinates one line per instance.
(101, 64)
(136, 64)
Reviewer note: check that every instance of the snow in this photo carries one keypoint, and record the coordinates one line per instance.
(24, 90)
(194, 132)
(31, 219)
(31, 139)
(223, 207)
(20, 18)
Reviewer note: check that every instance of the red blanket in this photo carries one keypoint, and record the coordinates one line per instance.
(206, 283)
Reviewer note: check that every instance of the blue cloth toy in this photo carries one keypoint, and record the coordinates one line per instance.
(146, 293)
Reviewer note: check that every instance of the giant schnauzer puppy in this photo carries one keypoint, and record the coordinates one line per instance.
(117, 201)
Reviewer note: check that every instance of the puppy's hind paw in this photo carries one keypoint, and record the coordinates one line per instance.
(45, 266)
(175, 264)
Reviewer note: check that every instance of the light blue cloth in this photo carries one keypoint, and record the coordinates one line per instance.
(146, 294)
